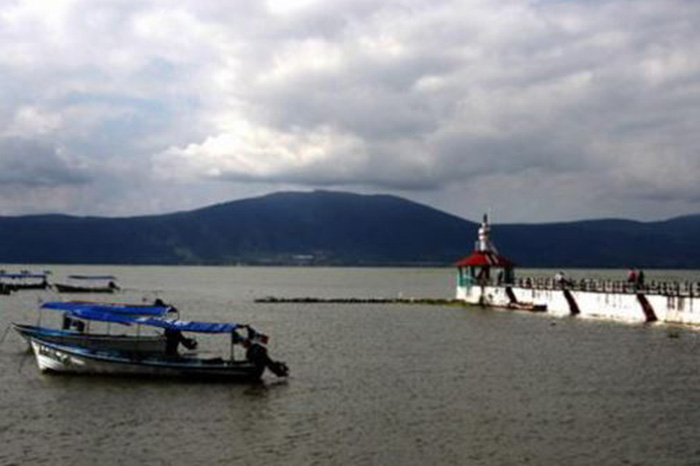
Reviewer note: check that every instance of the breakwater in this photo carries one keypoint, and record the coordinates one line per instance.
(312, 300)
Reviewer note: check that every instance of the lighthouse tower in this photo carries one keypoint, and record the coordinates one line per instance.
(475, 270)
(484, 244)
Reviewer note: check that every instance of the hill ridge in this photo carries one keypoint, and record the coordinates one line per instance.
(338, 228)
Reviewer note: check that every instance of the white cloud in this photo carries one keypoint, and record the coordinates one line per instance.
(286, 7)
(300, 58)
(249, 153)
(31, 121)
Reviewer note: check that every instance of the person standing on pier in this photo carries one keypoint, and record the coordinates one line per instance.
(640, 279)
(559, 279)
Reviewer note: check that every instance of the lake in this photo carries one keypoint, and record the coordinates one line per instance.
(370, 384)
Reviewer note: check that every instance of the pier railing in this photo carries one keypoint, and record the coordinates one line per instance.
(667, 288)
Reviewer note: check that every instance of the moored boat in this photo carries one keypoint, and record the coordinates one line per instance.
(76, 331)
(88, 284)
(54, 357)
(23, 281)
(99, 341)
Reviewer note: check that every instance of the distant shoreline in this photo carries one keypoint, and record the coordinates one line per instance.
(36, 266)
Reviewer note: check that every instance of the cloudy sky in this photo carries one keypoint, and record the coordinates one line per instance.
(537, 110)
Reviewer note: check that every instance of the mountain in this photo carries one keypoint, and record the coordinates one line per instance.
(282, 228)
(335, 228)
(604, 243)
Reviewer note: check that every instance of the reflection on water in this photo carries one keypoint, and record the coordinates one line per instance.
(370, 384)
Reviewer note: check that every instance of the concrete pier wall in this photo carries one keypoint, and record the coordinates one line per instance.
(624, 306)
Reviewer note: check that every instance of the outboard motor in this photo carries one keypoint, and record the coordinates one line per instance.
(257, 354)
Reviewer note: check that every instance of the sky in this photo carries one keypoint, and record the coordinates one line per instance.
(532, 111)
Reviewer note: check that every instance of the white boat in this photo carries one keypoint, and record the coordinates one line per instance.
(76, 331)
(23, 280)
(52, 357)
(78, 359)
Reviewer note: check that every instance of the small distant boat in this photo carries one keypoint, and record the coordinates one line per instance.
(54, 357)
(22, 281)
(75, 331)
(88, 284)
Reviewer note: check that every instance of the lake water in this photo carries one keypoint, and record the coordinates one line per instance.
(369, 384)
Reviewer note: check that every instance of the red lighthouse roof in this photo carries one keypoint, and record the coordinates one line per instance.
(484, 258)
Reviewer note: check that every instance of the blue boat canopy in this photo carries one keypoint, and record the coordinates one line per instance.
(167, 324)
(110, 308)
(92, 277)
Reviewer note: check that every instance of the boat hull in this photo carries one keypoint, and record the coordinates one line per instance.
(51, 357)
(28, 286)
(124, 343)
(64, 288)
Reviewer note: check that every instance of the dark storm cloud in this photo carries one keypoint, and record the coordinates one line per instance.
(26, 164)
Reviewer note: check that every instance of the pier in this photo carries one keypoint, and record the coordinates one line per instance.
(487, 278)
(664, 288)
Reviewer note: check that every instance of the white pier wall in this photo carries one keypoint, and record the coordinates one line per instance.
(676, 309)
(591, 304)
